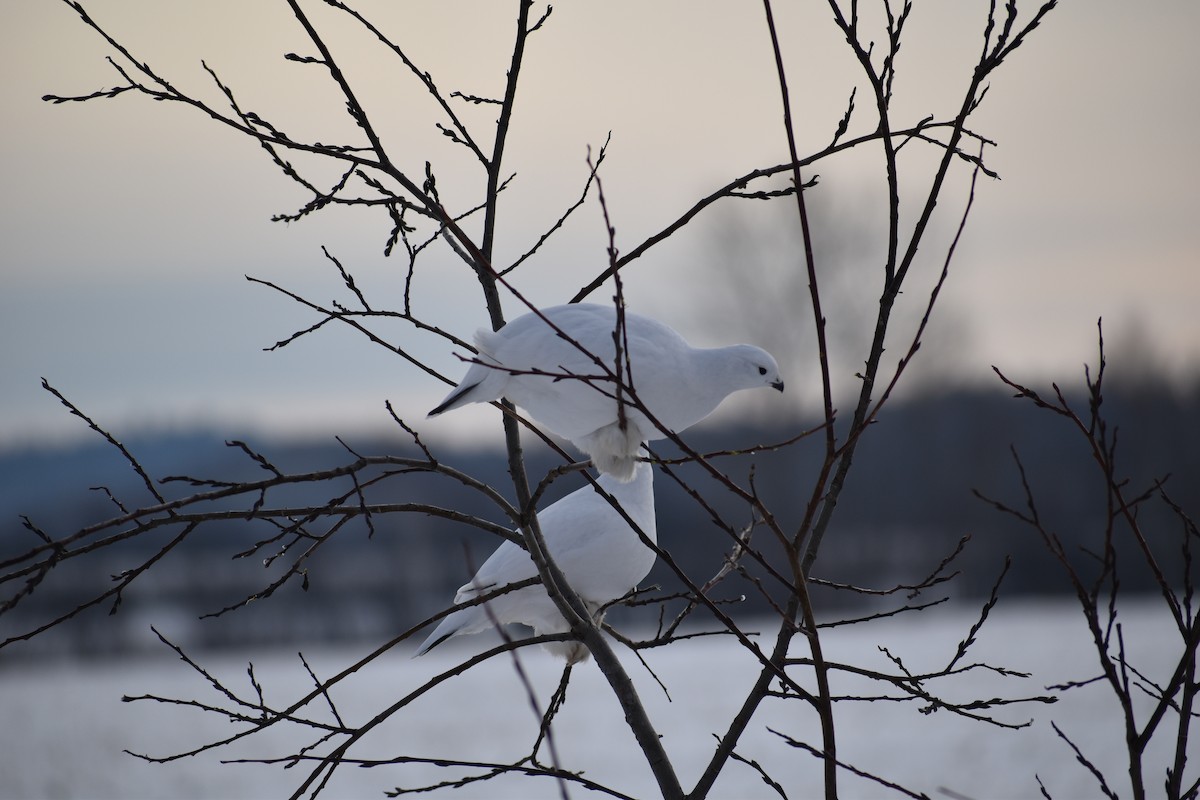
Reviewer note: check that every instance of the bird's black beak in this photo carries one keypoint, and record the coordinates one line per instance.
(777, 385)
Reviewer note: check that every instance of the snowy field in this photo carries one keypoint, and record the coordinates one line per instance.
(63, 727)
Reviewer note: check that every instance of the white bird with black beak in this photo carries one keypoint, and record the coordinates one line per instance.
(600, 555)
(545, 363)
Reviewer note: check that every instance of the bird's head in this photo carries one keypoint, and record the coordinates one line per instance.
(755, 367)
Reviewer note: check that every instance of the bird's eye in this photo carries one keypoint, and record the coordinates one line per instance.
(762, 370)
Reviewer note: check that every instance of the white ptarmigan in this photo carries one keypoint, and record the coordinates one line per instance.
(679, 384)
(599, 554)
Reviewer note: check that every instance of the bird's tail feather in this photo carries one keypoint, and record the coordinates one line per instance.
(448, 627)
(431, 643)
(459, 397)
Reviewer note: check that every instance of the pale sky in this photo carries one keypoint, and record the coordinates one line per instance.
(127, 226)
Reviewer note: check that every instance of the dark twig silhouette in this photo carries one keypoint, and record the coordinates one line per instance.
(1125, 542)
(766, 555)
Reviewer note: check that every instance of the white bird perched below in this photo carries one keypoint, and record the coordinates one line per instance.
(600, 555)
(678, 383)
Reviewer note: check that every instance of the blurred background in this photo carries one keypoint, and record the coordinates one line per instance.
(128, 228)
(129, 225)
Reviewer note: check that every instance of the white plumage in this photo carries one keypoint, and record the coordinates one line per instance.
(678, 383)
(600, 555)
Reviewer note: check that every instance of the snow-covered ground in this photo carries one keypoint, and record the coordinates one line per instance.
(63, 727)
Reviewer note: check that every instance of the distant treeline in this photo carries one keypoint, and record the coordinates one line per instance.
(908, 502)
